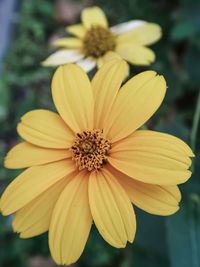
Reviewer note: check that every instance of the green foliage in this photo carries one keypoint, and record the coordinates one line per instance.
(25, 85)
(183, 233)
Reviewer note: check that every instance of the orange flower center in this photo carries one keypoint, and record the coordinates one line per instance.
(90, 150)
(98, 41)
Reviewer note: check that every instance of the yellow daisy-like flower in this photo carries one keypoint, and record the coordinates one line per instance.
(95, 43)
(89, 163)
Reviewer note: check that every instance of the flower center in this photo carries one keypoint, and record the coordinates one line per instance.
(90, 150)
(98, 41)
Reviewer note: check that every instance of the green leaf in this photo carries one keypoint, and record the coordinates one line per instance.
(183, 234)
(4, 99)
(192, 65)
(183, 30)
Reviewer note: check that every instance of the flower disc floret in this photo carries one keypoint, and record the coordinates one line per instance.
(97, 41)
(90, 150)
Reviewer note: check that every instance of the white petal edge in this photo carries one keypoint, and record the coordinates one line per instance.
(127, 26)
(62, 56)
(87, 64)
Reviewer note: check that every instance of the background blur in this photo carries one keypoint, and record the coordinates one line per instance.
(26, 30)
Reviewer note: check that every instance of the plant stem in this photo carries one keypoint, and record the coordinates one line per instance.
(195, 125)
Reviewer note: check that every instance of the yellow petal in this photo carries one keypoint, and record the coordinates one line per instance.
(31, 183)
(68, 43)
(71, 222)
(46, 129)
(100, 62)
(34, 218)
(150, 175)
(135, 103)
(106, 84)
(155, 142)
(111, 209)
(93, 16)
(73, 97)
(77, 30)
(153, 158)
(136, 54)
(154, 199)
(110, 55)
(145, 34)
(26, 155)
(62, 56)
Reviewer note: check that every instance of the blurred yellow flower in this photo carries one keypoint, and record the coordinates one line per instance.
(95, 42)
(89, 162)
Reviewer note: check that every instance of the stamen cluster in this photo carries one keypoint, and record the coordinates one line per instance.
(98, 41)
(90, 150)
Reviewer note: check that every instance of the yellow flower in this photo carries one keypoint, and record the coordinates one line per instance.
(95, 43)
(89, 162)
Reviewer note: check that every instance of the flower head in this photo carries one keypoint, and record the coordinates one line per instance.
(95, 43)
(89, 162)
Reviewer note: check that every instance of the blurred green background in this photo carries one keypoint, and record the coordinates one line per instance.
(24, 85)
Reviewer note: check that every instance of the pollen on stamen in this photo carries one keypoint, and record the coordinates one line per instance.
(97, 41)
(90, 150)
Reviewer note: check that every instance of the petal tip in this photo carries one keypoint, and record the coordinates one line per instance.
(130, 240)
(176, 209)
(23, 235)
(3, 210)
(162, 81)
(6, 163)
(45, 63)
(191, 154)
(188, 174)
